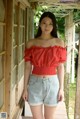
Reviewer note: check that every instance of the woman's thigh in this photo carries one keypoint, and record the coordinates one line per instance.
(37, 111)
(49, 112)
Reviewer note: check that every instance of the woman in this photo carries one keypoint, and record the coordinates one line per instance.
(43, 83)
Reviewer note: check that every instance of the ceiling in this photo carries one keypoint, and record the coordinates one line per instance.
(65, 6)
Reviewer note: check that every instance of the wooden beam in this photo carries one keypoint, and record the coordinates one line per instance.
(34, 5)
(2, 23)
(44, 1)
(24, 2)
(71, 5)
(2, 53)
(56, 1)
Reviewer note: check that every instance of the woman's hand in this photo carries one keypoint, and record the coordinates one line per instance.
(25, 95)
(61, 95)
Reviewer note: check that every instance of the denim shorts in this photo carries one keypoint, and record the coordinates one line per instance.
(43, 90)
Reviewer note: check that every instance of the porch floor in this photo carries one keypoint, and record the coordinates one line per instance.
(60, 112)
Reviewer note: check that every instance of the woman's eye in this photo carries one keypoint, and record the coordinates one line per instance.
(47, 24)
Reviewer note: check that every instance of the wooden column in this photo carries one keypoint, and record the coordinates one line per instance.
(69, 37)
(77, 100)
(9, 37)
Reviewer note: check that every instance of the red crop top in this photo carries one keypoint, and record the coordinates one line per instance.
(45, 59)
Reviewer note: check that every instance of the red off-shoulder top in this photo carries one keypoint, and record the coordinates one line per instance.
(45, 59)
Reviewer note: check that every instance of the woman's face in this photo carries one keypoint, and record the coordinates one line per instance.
(46, 25)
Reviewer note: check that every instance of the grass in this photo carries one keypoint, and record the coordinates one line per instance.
(72, 90)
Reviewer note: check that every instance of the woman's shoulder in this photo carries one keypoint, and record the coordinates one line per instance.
(60, 42)
(30, 43)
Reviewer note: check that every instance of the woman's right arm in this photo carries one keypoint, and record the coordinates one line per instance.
(27, 71)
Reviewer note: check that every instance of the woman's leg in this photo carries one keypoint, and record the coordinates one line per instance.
(49, 112)
(37, 111)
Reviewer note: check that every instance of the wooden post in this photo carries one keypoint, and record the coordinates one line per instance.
(9, 37)
(77, 100)
(68, 35)
(73, 47)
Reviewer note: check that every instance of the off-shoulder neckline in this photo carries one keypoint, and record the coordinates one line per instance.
(42, 47)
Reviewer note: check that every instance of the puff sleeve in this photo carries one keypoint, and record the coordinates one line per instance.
(27, 54)
(62, 54)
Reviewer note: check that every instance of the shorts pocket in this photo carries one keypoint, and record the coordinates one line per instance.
(54, 82)
(33, 81)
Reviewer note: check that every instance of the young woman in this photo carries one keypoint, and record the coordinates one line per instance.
(44, 70)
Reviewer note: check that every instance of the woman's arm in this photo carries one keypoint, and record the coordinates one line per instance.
(60, 73)
(27, 71)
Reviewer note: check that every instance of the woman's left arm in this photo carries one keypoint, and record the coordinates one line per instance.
(60, 73)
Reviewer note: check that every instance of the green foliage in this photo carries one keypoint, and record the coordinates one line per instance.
(72, 92)
(61, 27)
(60, 20)
(76, 15)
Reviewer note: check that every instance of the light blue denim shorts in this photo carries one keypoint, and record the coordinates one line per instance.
(43, 90)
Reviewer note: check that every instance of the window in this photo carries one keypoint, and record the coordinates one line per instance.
(21, 43)
(18, 45)
(2, 50)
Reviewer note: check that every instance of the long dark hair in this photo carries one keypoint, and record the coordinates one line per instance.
(52, 17)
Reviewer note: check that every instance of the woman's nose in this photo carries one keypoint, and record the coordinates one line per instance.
(47, 25)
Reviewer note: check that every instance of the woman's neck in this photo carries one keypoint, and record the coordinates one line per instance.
(45, 37)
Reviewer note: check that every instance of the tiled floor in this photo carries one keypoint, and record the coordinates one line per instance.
(60, 112)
